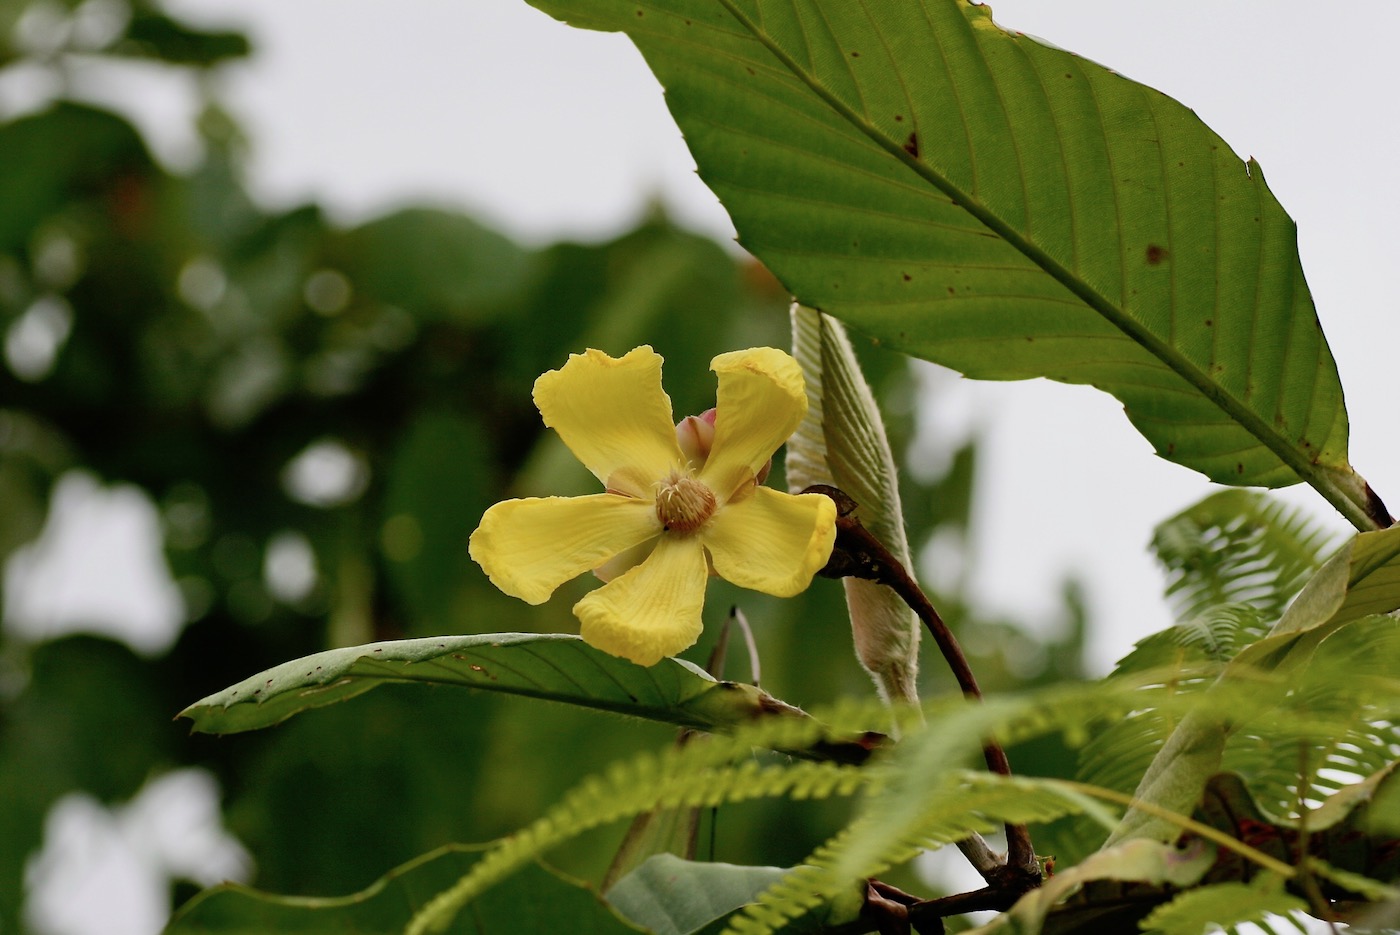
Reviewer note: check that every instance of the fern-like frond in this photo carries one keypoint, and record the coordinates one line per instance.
(1339, 722)
(1326, 722)
(926, 796)
(1237, 547)
(629, 789)
(800, 891)
(714, 772)
(966, 801)
(1226, 905)
(1214, 636)
(1191, 655)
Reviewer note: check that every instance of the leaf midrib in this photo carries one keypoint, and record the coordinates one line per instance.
(1232, 406)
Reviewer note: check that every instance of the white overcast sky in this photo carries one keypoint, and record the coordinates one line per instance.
(547, 132)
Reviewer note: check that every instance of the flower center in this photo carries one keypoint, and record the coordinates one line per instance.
(684, 504)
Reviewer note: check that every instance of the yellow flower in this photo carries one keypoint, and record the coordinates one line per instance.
(672, 512)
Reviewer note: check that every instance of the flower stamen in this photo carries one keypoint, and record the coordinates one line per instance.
(683, 504)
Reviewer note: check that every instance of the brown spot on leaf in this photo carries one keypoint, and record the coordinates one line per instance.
(1239, 468)
(907, 277)
(1210, 322)
(911, 145)
(898, 118)
(855, 55)
(1156, 253)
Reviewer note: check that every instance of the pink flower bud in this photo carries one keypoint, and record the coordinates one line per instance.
(696, 436)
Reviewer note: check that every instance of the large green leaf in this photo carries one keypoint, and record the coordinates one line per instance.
(535, 900)
(975, 197)
(553, 666)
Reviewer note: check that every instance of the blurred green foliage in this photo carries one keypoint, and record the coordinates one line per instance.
(163, 330)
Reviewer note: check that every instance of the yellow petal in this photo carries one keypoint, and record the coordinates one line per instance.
(614, 416)
(772, 542)
(530, 547)
(653, 611)
(761, 401)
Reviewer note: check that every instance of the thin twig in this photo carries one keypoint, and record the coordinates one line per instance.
(737, 617)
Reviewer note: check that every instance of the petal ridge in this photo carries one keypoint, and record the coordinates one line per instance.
(529, 547)
(654, 610)
(761, 401)
(613, 414)
(772, 542)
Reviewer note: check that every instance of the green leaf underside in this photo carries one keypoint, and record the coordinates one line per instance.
(671, 896)
(1362, 579)
(1373, 585)
(974, 197)
(554, 666)
(535, 900)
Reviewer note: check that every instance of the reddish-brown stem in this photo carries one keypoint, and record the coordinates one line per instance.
(859, 554)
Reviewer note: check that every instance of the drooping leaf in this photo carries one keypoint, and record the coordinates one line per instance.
(973, 196)
(535, 900)
(842, 443)
(551, 666)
